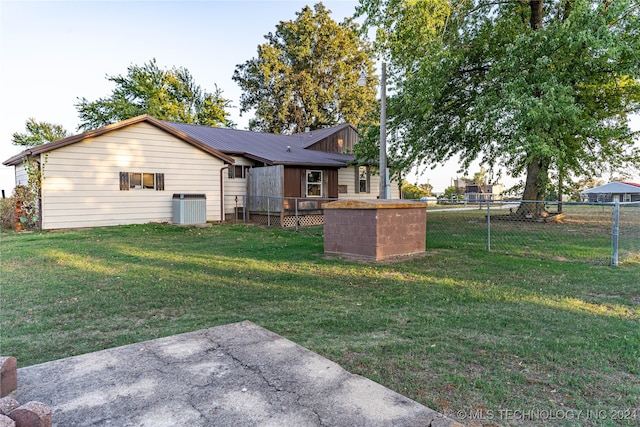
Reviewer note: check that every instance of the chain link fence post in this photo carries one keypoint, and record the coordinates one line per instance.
(615, 232)
(489, 225)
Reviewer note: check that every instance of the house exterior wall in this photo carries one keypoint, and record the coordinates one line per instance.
(347, 177)
(81, 186)
(611, 197)
(235, 187)
(340, 142)
(21, 175)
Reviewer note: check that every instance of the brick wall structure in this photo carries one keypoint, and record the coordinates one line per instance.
(12, 414)
(375, 229)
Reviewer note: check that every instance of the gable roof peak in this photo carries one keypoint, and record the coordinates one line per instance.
(49, 146)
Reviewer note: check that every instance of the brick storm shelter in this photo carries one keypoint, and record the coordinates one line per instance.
(375, 229)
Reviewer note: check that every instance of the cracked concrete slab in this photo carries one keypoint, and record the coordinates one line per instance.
(238, 374)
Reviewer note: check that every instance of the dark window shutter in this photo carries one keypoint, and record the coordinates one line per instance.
(124, 181)
(159, 182)
(357, 168)
(332, 183)
(368, 179)
(231, 170)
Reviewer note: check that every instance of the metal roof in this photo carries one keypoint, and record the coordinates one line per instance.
(615, 188)
(266, 147)
(44, 148)
(222, 142)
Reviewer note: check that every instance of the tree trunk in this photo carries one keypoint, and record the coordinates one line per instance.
(534, 189)
(560, 189)
(537, 168)
(537, 12)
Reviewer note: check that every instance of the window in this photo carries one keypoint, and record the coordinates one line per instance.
(314, 183)
(363, 179)
(627, 197)
(141, 181)
(238, 171)
(148, 181)
(363, 175)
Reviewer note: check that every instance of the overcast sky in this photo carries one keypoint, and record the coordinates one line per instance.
(52, 53)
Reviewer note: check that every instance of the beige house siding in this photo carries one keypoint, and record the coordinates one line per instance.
(82, 188)
(21, 175)
(235, 187)
(346, 176)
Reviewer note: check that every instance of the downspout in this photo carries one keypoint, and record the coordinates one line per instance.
(222, 193)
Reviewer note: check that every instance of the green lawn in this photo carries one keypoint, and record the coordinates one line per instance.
(469, 333)
(584, 234)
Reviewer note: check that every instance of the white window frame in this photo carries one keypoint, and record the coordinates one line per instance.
(313, 183)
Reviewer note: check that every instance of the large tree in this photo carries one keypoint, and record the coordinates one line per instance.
(38, 133)
(305, 75)
(532, 86)
(164, 94)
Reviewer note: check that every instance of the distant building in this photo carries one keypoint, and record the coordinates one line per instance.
(477, 192)
(613, 192)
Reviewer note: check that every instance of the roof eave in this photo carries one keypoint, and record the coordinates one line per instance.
(115, 126)
(259, 159)
(18, 158)
(310, 165)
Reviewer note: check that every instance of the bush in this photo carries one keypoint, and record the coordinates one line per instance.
(27, 201)
(7, 211)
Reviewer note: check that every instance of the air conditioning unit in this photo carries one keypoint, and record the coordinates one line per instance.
(189, 209)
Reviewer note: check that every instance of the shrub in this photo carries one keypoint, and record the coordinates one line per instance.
(7, 211)
(28, 203)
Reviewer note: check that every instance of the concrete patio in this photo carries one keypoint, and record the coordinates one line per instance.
(233, 375)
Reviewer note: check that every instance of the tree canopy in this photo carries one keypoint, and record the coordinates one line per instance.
(305, 75)
(164, 94)
(37, 133)
(536, 87)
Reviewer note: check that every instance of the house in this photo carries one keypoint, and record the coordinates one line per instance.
(481, 192)
(613, 192)
(128, 172)
(475, 192)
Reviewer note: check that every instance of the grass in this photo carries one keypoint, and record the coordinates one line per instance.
(471, 334)
(584, 234)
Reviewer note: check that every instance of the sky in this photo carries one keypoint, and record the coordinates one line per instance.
(52, 53)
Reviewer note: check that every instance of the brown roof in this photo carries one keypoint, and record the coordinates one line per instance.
(18, 158)
(269, 148)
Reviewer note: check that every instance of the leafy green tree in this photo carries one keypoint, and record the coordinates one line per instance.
(305, 75)
(481, 178)
(450, 192)
(412, 192)
(576, 188)
(534, 87)
(164, 94)
(38, 133)
(427, 188)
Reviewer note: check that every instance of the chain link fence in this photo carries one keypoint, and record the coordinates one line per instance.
(595, 233)
(599, 233)
(282, 212)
